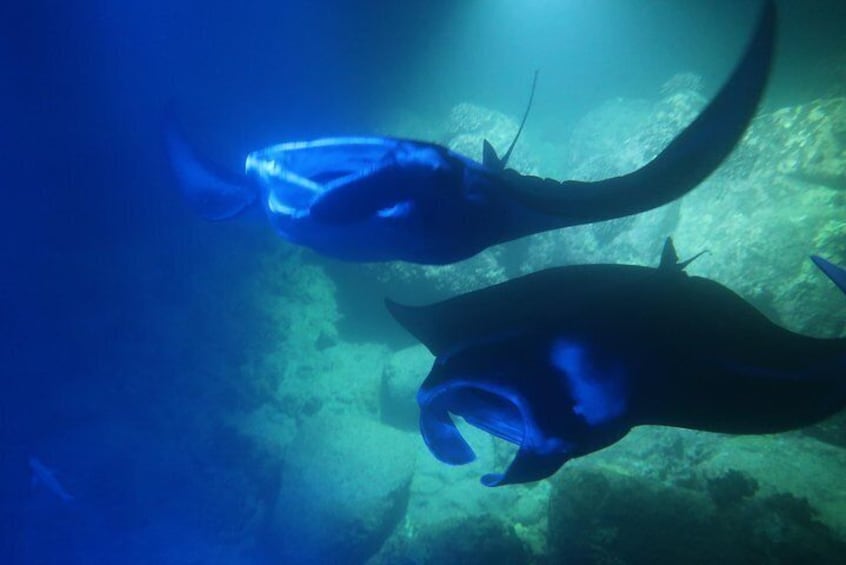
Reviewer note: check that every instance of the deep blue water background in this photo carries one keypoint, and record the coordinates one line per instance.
(111, 366)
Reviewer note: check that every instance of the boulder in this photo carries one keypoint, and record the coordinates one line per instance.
(344, 487)
(480, 540)
(400, 380)
(604, 516)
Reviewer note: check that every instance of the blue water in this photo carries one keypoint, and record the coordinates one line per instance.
(136, 339)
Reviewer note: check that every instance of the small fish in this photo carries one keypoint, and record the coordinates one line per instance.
(386, 199)
(46, 476)
(564, 362)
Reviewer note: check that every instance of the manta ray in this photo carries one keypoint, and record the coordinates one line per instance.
(384, 199)
(565, 361)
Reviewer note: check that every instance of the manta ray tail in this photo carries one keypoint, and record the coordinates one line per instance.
(213, 193)
(688, 160)
(489, 157)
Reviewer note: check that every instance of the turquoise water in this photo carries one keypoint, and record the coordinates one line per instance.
(209, 393)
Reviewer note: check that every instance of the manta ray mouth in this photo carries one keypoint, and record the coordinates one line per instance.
(321, 162)
(297, 172)
(489, 409)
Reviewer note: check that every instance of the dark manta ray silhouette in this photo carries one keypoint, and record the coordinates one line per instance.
(566, 361)
(382, 199)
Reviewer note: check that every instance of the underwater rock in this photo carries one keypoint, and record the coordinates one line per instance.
(480, 540)
(344, 487)
(400, 380)
(731, 487)
(780, 463)
(622, 135)
(300, 318)
(599, 143)
(618, 137)
(759, 233)
(611, 517)
(470, 125)
(344, 378)
(807, 142)
(757, 218)
(430, 282)
(786, 463)
(300, 301)
(682, 82)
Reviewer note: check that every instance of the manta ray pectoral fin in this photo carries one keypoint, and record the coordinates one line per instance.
(690, 158)
(418, 322)
(529, 465)
(213, 193)
(832, 271)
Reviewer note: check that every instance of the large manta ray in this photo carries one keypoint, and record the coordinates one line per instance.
(382, 199)
(565, 361)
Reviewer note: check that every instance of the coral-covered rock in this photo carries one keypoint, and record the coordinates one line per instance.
(806, 141)
(400, 380)
(612, 517)
(470, 125)
(482, 540)
(344, 487)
